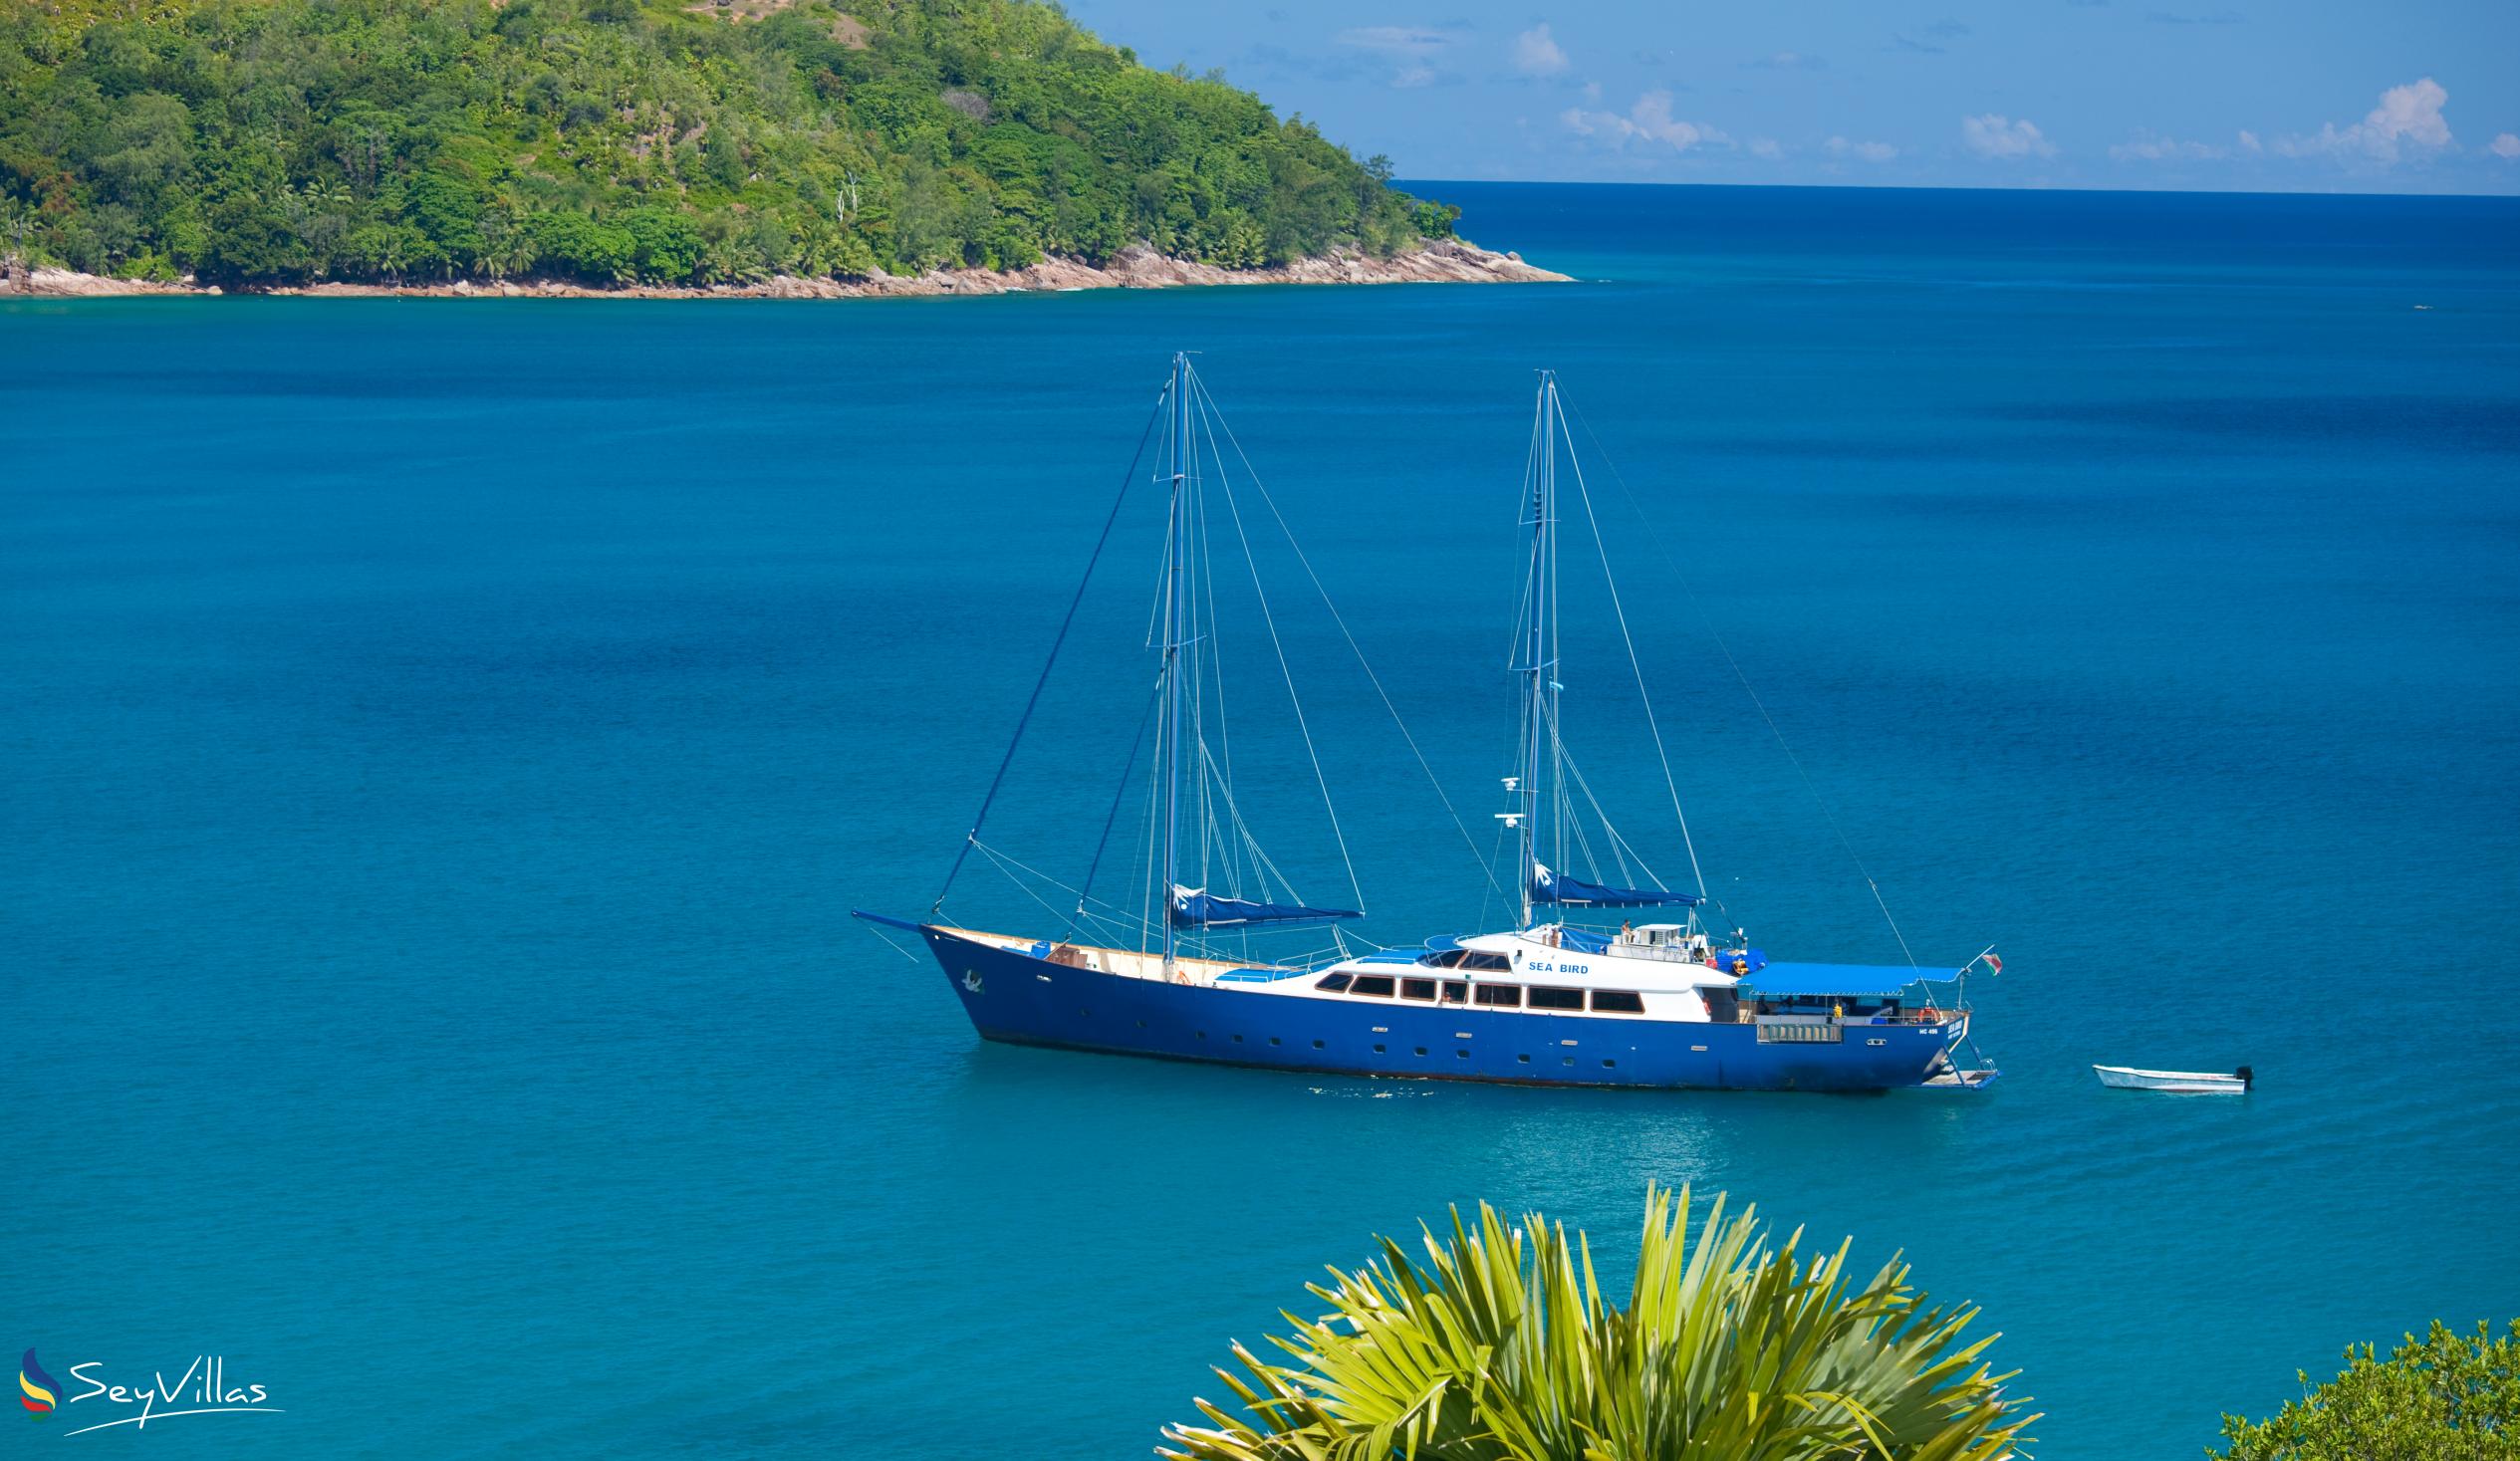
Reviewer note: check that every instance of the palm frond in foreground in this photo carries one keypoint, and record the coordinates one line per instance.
(1500, 1346)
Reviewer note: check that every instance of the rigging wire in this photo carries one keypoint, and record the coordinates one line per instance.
(1033, 702)
(1621, 849)
(1651, 723)
(1494, 853)
(1522, 788)
(1264, 868)
(1738, 674)
(1005, 862)
(1285, 671)
(1010, 865)
(1354, 647)
(1119, 792)
(1208, 666)
(878, 930)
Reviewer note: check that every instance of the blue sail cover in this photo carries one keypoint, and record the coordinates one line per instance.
(1573, 893)
(1194, 907)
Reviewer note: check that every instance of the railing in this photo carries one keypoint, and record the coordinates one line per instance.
(1749, 1014)
(1918, 1017)
(1668, 953)
(1791, 1030)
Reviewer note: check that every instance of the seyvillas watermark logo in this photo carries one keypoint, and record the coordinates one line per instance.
(36, 1389)
(204, 1388)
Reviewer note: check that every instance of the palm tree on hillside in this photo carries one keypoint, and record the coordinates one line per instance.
(1500, 1346)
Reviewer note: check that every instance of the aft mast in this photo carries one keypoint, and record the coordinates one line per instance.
(1175, 619)
(1539, 646)
(1547, 886)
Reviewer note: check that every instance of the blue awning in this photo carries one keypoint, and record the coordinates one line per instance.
(1574, 893)
(1856, 981)
(1197, 908)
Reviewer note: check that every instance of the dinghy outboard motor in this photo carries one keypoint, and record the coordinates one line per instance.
(2248, 1077)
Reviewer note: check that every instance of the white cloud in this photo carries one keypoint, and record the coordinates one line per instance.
(2505, 146)
(1649, 119)
(1860, 151)
(1998, 137)
(2153, 148)
(2407, 116)
(1591, 91)
(1410, 49)
(1790, 61)
(1414, 40)
(1537, 53)
(1766, 149)
(2249, 141)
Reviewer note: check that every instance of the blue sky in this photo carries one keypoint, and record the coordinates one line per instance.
(2363, 96)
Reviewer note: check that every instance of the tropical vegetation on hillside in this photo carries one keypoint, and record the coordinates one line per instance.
(1501, 1347)
(268, 141)
(2444, 1397)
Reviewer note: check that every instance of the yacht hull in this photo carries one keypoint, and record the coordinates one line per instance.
(1015, 998)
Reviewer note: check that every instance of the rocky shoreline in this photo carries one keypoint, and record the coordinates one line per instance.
(1448, 260)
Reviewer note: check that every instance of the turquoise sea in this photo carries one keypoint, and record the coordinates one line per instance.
(443, 742)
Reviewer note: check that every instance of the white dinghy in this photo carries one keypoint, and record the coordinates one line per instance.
(2178, 1082)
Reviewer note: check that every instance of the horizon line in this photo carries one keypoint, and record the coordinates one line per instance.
(1944, 187)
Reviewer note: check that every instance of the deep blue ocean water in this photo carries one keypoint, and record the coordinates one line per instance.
(444, 741)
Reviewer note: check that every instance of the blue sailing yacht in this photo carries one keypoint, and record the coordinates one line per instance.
(1559, 999)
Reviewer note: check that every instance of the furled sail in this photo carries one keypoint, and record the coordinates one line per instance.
(1197, 908)
(1574, 893)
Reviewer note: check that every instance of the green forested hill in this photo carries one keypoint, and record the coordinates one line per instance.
(284, 140)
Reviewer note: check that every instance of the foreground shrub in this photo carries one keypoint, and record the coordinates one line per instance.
(1500, 1345)
(2444, 1397)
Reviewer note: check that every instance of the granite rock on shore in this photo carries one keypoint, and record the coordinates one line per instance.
(1446, 261)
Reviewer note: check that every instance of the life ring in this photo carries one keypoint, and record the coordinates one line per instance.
(1740, 967)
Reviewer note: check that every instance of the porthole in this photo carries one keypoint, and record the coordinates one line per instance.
(1463, 1054)
(1570, 1059)
(1378, 1050)
(1202, 1034)
(1273, 1039)
(1421, 1049)
(1525, 1059)
(1609, 1065)
(1237, 1039)
(1316, 1045)
(1877, 1042)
